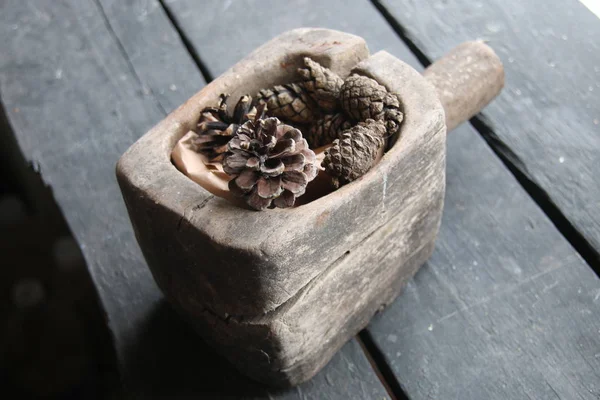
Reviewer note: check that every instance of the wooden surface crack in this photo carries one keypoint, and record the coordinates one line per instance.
(187, 43)
(123, 52)
(509, 158)
(541, 197)
(193, 209)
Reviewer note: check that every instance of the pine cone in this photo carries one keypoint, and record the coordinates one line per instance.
(353, 154)
(270, 162)
(322, 84)
(327, 129)
(216, 127)
(290, 102)
(363, 98)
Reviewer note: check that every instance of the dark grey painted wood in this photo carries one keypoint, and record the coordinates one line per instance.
(148, 38)
(505, 308)
(258, 21)
(75, 106)
(547, 119)
(78, 91)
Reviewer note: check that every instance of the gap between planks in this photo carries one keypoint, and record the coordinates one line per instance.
(187, 43)
(510, 160)
(381, 366)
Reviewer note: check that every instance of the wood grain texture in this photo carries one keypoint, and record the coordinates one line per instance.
(75, 105)
(504, 308)
(76, 99)
(547, 120)
(466, 79)
(227, 46)
(222, 265)
(269, 256)
(145, 36)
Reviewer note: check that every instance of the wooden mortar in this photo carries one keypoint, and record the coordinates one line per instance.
(278, 292)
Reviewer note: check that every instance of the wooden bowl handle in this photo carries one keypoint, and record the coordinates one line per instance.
(466, 80)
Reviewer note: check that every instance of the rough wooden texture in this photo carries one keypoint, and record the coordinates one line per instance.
(75, 105)
(153, 50)
(200, 20)
(546, 122)
(263, 240)
(274, 291)
(75, 98)
(170, 361)
(504, 308)
(466, 80)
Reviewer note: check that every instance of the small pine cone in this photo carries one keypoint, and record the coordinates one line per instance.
(216, 127)
(353, 154)
(290, 102)
(322, 84)
(270, 162)
(363, 98)
(327, 129)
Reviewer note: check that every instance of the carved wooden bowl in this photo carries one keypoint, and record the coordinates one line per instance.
(279, 292)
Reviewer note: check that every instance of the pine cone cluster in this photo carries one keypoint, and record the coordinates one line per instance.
(312, 102)
(269, 159)
(270, 163)
(216, 127)
(377, 115)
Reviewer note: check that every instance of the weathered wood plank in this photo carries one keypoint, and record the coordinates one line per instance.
(74, 105)
(80, 82)
(148, 39)
(504, 308)
(52, 165)
(490, 279)
(547, 120)
(505, 315)
(203, 24)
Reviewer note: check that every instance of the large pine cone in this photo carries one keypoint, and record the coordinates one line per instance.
(327, 129)
(363, 98)
(290, 102)
(216, 127)
(270, 162)
(354, 153)
(322, 84)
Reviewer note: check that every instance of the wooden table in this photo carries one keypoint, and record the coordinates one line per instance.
(508, 307)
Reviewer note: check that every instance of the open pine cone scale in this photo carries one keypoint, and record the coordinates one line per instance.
(271, 163)
(216, 126)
